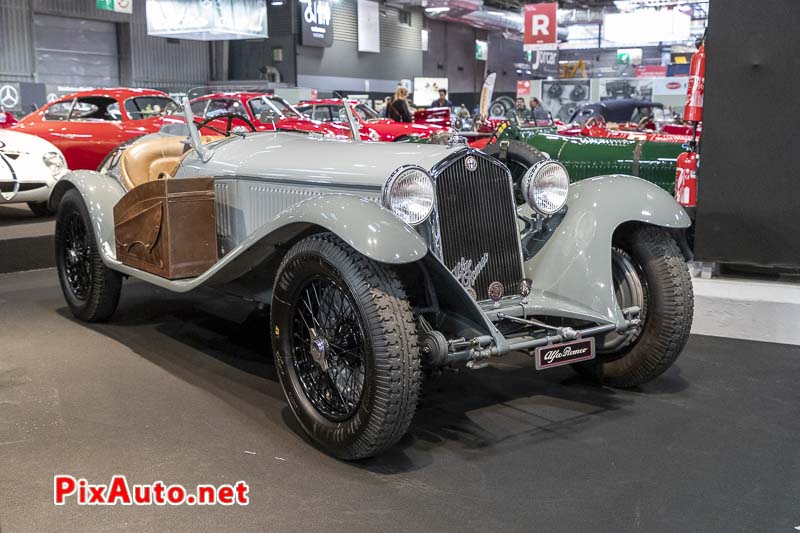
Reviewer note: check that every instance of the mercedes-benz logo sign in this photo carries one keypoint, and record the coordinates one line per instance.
(9, 96)
(471, 163)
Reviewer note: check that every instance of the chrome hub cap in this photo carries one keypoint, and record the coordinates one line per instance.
(630, 289)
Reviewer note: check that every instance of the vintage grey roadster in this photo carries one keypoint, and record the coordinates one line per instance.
(382, 262)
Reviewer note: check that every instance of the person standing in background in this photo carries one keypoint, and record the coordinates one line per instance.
(398, 109)
(521, 111)
(386, 103)
(535, 103)
(442, 101)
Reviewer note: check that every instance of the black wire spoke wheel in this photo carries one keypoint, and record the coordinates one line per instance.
(90, 288)
(329, 350)
(77, 259)
(345, 345)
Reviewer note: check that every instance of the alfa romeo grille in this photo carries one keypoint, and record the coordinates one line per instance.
(477, 219)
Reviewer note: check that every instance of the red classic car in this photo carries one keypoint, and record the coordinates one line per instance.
(6, 119)
(261, 112)
(599, 129)
(372, 125)
(441, 116)
(87, 125)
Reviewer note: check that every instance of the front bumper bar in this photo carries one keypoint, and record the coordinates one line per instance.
(484, 347)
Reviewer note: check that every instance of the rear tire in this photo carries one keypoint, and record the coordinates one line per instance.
(90, 288)
(40, 209)
(660, 273)
(345, 346)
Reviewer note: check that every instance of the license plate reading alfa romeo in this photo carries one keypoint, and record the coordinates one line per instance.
(564, 354)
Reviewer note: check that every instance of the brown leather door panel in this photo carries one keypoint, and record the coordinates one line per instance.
(168, 227)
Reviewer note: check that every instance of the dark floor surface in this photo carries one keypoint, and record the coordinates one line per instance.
(181, 389)
(26, 241)
(17, 221)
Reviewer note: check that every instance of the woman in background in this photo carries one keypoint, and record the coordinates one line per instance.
(398, 109)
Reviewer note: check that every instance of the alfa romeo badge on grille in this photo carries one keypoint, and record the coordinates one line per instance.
(496, 290)
(471, 163)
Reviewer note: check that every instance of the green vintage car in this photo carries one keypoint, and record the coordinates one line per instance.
(584, 157)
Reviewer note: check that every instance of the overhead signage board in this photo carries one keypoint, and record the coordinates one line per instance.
(544, 64)
(118, 6)
(316, 22)
(481, 50)
(651, 71)
(369, 26)
(207, 21)
(540, 22)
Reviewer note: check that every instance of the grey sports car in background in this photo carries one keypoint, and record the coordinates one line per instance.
(382, 261)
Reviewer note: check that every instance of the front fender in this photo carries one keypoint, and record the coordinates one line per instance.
(574, 266)
(363, 224)
(100, 194)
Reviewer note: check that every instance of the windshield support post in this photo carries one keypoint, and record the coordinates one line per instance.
(194, 135)
(351, 120)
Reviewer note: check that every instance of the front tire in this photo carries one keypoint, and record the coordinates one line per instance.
(90, 288)
(649, 271)
(345, 347)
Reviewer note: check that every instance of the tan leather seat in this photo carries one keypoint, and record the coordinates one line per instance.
(153, 159)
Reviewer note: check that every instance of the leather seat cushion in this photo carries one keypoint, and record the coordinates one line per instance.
(137, 161)
(157, 158)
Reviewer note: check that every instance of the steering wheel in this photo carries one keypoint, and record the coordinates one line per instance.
(644, 122)
(229, 117)
(595, 121)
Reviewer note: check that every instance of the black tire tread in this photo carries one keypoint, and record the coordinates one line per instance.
(389, 317)
(667, 329)
(106, 283)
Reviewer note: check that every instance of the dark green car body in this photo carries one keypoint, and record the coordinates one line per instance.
(585, 157)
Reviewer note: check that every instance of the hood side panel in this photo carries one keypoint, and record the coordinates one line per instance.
(286, 156)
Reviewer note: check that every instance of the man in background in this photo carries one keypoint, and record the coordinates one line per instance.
(442, 101)
(521, 110)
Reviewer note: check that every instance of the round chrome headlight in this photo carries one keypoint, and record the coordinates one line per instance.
(408, 193)
(545, 186)
(54, 161)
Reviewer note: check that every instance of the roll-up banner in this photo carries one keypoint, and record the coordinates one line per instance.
(486, 93)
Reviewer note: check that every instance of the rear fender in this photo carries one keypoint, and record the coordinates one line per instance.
(100, 194)
(574, 266)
